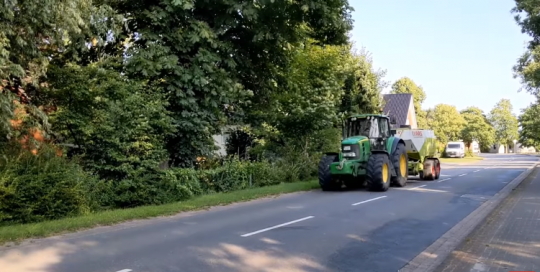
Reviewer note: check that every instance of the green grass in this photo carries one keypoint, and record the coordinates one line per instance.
(16, 233)
(459, 160)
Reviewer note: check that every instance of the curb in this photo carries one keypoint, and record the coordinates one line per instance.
(433, 256)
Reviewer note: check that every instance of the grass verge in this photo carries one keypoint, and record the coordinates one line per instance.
(16, 233)
(460, 160)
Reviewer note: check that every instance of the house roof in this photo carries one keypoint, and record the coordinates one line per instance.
(397, 105)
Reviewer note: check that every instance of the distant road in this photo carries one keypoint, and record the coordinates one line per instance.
(313, 231)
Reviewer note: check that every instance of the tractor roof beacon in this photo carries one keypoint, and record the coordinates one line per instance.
(375, 156)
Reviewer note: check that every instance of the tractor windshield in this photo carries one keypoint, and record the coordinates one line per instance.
(371, 127)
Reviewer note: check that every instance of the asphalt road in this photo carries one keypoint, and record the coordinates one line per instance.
(314, 231)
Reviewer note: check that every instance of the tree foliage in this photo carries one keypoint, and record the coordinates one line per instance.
(210, 57)
(529, 135)
(125, 86)
(447, 123)
(408, 86)
(477, 127)
(92, 103)
(363, 85)
(504, 122)
(528, 66)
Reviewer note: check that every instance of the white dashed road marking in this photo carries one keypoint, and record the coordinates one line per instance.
(277, 226)
(462, 175)
(477, 171)
(444, 180)
(369, 200)
(124, 270)
(418, 187)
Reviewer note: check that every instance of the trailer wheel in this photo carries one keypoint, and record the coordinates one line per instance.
(429, 169)
(400, 162)
(325, 178)
(378, 172)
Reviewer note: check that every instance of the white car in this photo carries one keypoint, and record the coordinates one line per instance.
(455, 150)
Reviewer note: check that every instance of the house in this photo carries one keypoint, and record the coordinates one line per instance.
(400, 107)
(524, 150)
(220, 140)
(497, 148)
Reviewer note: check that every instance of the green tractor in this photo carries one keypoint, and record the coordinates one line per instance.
(370, 156)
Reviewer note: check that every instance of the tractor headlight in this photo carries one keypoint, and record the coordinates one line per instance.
(349, 154)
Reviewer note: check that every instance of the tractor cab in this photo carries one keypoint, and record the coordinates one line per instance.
(376, 128)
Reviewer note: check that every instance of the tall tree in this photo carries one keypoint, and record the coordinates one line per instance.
(217, 59)
(447, 123)
(363, 85)
(504, 122)
(407, 85)
(529, 135)
(311, 99)
(528, 66)
(30, 33)
(477, 128)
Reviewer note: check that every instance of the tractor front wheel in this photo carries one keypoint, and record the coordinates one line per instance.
(325, 177)
(378, 172)
(401, 165)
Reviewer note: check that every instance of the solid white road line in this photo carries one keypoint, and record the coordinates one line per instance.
(124, 270)
(369, 200)
(444, 180)
(462, 175)
(277, 226)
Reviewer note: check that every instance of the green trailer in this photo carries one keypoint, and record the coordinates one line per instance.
(421, 145)
(375, 156)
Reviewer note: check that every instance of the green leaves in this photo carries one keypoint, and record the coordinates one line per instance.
(529, 135)
(447, 123)
(362, 86)
(528, 68)
(477, 128)
(119, 124)
(504, 122)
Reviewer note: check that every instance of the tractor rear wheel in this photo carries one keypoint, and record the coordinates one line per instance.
(400, 162)
(378, 172)
(325, 177)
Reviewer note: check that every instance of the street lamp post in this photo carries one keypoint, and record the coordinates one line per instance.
(515, 141)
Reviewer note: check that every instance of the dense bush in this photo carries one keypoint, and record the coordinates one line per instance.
(45, 186)
(177, 184)
(118, 124)
(36, 188)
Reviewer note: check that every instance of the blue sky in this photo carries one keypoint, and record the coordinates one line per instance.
(460, 51)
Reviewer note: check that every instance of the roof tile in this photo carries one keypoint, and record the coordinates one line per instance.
(397, 105)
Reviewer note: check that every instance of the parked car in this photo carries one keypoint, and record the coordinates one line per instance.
(455, 150)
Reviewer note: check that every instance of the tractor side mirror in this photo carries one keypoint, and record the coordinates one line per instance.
(393, 132)
(393, 120)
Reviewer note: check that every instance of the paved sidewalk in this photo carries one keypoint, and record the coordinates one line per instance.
(509, 238)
